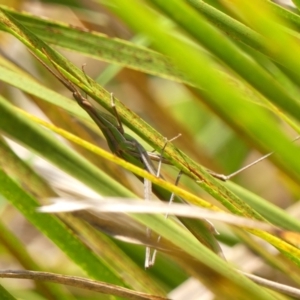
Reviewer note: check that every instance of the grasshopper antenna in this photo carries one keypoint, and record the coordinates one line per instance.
(227, 177)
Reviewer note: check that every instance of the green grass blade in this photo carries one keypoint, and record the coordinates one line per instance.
(237, 284)
(56, 231)
(5, 295)
(231, 55)
(235, 29)
(115, 51)
(28, 85)
(270, 211)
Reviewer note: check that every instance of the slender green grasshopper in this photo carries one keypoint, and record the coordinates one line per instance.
(128, 148)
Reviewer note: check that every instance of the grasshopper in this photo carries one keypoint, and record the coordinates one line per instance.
(128, 148)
